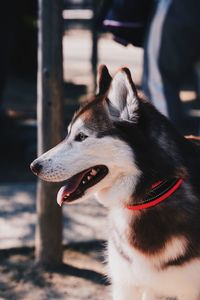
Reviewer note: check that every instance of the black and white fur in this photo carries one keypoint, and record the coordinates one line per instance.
(155, 253)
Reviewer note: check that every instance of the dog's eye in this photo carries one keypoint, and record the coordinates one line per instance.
(80, 137)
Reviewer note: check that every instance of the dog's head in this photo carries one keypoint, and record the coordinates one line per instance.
(106, 150)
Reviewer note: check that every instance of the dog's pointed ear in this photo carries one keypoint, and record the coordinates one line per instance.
(103, 80)
(122, 98)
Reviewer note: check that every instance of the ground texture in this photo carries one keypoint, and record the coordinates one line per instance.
(80, 277)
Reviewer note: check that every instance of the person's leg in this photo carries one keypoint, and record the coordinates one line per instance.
(179, 50)
(172, 49)
(152, 80)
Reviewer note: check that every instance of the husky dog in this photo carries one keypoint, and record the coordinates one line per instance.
(122, 150)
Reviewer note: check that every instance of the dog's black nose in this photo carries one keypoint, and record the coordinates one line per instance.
(35, 168)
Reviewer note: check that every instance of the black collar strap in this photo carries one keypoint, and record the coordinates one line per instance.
(159, 192)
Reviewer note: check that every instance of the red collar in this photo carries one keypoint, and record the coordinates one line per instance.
(159, 192)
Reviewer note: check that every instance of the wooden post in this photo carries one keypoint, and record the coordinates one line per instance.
(50, 121)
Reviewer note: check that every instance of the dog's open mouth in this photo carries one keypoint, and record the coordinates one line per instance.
(76, 186)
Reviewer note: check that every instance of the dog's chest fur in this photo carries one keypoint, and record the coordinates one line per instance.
(129, 266)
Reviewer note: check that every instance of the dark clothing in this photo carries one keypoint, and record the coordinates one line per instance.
(126, 19)
(171, 51)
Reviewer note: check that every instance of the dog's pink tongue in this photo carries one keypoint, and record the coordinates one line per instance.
(70, 187)
(61, 194)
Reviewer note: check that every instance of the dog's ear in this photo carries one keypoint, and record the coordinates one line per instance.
(103, 80)
(122, 98)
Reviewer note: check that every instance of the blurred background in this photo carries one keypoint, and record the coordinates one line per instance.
(86, 43)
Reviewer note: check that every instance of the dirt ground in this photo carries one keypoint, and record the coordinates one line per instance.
(80, 277)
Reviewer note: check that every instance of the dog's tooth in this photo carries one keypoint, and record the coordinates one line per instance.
(83, 181)
(93, 172)
(89, 177)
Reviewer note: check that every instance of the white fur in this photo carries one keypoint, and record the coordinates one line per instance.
(143, 276)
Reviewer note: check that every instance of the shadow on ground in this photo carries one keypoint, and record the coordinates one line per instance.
(81, 276)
